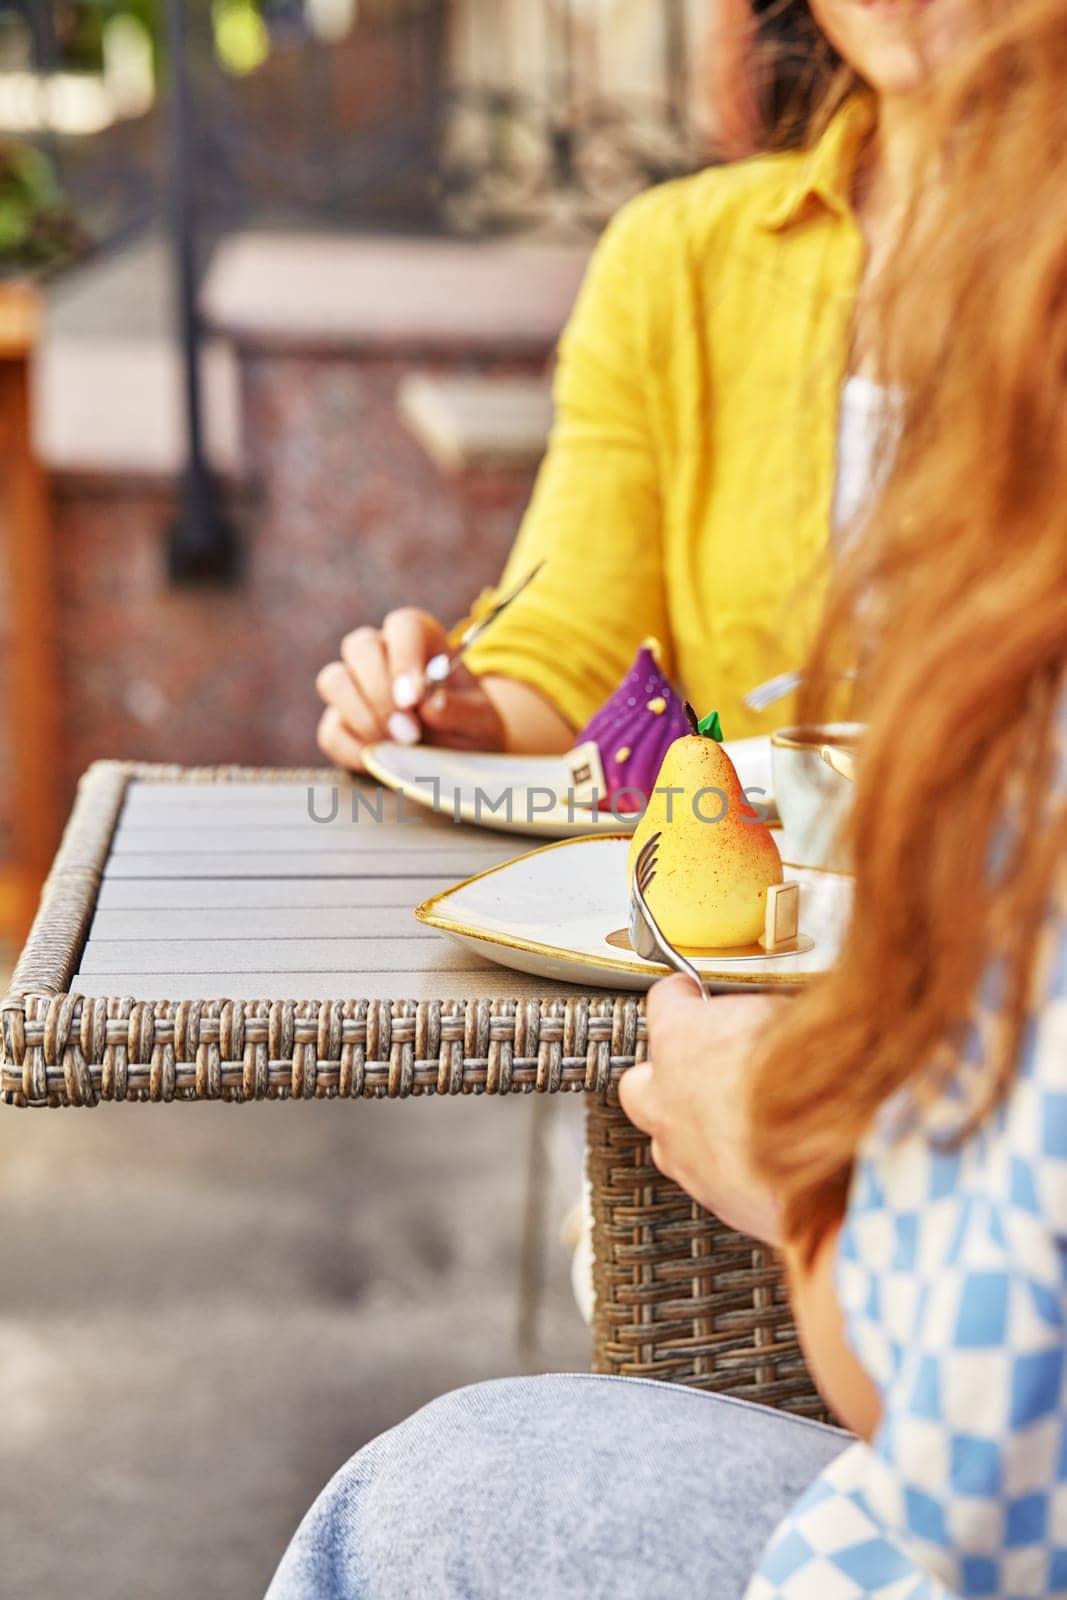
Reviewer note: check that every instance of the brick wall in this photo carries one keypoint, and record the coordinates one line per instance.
(342, 515)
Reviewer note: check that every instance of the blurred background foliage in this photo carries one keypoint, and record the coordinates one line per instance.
(38, 228)
(82, 30)
(459, 116)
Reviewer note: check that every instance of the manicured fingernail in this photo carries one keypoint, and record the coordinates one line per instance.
(406, 691)
(403, 729)
(436, 703)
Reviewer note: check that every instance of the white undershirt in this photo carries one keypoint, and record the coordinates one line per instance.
(864, 443)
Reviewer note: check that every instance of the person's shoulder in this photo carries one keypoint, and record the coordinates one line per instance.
(660, 244)
(691, 210)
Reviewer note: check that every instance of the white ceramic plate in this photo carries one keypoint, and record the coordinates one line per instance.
(550, 913)
(521, 794)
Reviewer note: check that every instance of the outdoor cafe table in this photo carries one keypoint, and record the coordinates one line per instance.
(202, 937)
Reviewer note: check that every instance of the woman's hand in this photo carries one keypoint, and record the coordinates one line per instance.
(692, 1098)
(378, 690)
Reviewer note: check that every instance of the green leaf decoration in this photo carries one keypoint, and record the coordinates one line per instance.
(711, 728)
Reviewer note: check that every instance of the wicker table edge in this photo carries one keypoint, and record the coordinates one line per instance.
(61, 1048)
(70, 1049)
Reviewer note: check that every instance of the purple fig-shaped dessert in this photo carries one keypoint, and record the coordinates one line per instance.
(619, 753)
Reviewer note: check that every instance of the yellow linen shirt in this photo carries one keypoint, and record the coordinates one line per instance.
(689, 481)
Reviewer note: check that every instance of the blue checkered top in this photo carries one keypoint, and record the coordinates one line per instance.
(952, 1272)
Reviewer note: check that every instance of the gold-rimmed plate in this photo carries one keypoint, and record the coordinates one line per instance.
(556, 913)
(529, 795)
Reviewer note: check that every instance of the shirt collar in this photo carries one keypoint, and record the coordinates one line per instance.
(826, 171)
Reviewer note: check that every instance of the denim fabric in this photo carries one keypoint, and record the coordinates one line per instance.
(568, 1487)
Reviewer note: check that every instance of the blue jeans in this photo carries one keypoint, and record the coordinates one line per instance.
(558, 1488)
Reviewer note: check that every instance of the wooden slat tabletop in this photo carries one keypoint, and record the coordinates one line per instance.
(448, 864)
(284, 894)
(237, 891)
(487, 983)
(310, 923)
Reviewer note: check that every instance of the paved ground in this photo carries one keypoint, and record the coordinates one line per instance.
(127, 292)
(206, 1309)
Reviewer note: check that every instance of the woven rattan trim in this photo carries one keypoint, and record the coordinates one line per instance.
(679, 1296)
(69, 1050)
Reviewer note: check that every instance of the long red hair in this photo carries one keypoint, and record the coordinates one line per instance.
(958, 591)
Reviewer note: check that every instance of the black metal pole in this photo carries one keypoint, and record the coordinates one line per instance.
(561, 125)
(201, 546)
(676, 53)
(45, 56)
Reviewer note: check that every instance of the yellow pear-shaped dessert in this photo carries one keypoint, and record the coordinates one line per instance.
(715, 859)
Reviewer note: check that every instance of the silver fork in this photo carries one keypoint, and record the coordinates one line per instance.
(646, 935)
(441, 668)
(768, 694)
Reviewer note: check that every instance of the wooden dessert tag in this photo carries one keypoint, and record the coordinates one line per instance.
(587, 774)
(783, 918)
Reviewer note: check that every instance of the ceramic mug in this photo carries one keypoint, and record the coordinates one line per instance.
(813, 800)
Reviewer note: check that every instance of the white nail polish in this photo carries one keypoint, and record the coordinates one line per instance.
(405, 691)
(404, 729)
